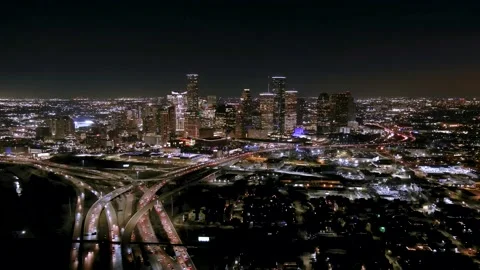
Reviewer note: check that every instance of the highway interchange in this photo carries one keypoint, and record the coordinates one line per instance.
(115, 205)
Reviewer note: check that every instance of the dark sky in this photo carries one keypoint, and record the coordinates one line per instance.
(135, 48)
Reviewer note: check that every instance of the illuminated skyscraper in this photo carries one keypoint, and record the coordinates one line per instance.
(277, 86)
(230, 117)
(192, 115)
(324, 115)
(192, 124)
(290, 110)
(165, 115)
(192, 92)
(149, 122)
(178, 101)
(266, 101)
(244, 114)
(343, 109)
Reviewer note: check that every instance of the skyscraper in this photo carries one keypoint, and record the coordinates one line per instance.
(192, 115)
(300, 111)
(165, 114)
(244, 114)
(277, 86)
(230, 117)
(192, 92)
(149, 122)
(290, 110)
(266, 101)
(324, 115)
(343, 109)
(178, 101)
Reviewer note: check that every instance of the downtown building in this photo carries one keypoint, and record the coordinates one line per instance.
(324, 115)
(61, 127)
(244, 115)
(149, 119)
(266, 107)
(166, 121)
(178, 101)
(290, 111)
(342, 110)
(277, 86)
(192, 114)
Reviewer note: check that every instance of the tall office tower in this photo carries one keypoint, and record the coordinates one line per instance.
(290, 110)
(192, 92)
(277, 86)
(192, 115)
(343, 109)
(230, 117)
(178, 101)
(165, 114)
(267, 104)
(61, 126)
(323, 114)
(207, 114)
(149, 119)
(244, 114)
(192, 124)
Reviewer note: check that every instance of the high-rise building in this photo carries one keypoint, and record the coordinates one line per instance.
(277, 86)
(244, 114)
(207, 117)
(324, 115)
(192, 92)
(230, 117)
(290, 110)
(61, 127)
(165, 114)
(192, 124)
(343, 109)
(149, 119)
(192, 115)
(178, 101)
(267, 105)
(300, 111)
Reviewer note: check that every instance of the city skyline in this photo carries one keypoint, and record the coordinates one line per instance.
(370, 49)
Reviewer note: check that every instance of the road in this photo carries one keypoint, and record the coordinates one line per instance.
(129, 218)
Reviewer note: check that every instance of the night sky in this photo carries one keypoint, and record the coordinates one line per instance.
(118, 48)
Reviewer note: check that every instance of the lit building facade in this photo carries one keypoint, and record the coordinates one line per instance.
(165, 115)
(230, 118)
(178, 100)
(277, 86)
(192, 114)
(343, 109)
(266, 105)
(244, 114)
(324, 115)
(192, 92)
(290, 110)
